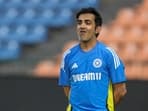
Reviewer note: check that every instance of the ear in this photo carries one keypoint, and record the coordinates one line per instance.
(98, 29)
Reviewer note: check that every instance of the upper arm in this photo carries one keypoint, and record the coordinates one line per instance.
(115, 67)
(64, 72)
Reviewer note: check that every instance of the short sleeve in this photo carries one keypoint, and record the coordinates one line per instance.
(115, 67)
(64, 73)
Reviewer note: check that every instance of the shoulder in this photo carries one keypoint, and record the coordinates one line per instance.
(106, 49)
(67, 55)
(112, 57)
(70, 51)
(108, 53)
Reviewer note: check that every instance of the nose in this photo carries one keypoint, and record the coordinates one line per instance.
(82, 25)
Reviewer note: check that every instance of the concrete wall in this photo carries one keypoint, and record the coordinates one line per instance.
(32, 94)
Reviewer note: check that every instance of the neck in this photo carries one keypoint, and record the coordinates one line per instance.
(88, 45)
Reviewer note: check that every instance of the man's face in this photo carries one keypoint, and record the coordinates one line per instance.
(86, 28)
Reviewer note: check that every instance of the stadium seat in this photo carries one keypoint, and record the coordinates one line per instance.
(116, 34)
(2, 3)
(9, 16)
(144, 4)
(125, 17)
(45, 17)
(134, 35)
(27, 17)
(70, 4)
(36, 34)
(19, 33)
(32, 3)
(9, 50)
(76, 4)
(145, 37)
(23, 3)
(28, 34)
(129, 52)
(62, 17)
(142, 56)
(134, 71)
(142, 20)
(15, 3)
(49, 4)
(4, 32)
(88, 3)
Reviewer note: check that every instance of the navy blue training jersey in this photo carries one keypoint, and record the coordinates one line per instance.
(88, 74)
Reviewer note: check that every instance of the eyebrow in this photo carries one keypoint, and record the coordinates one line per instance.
(78, 20)
(83, 20)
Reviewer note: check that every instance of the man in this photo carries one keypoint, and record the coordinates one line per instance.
(90, 68)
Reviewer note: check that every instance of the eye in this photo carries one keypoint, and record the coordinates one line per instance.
(79, 22)
(87, 22)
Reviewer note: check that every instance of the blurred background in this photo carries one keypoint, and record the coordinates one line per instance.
(35, 33)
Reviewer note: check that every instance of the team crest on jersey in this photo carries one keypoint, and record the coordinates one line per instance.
(97, 63)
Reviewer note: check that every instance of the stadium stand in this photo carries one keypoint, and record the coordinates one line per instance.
(28, 21)
(127, 34)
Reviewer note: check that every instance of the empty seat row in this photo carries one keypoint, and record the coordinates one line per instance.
(24, 34)
(46, 17)
(28, 21)
(72, 4)
(131, 53)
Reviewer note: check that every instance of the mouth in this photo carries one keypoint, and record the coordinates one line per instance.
(82, 32)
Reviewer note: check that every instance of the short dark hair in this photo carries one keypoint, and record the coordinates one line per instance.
(98, 18)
